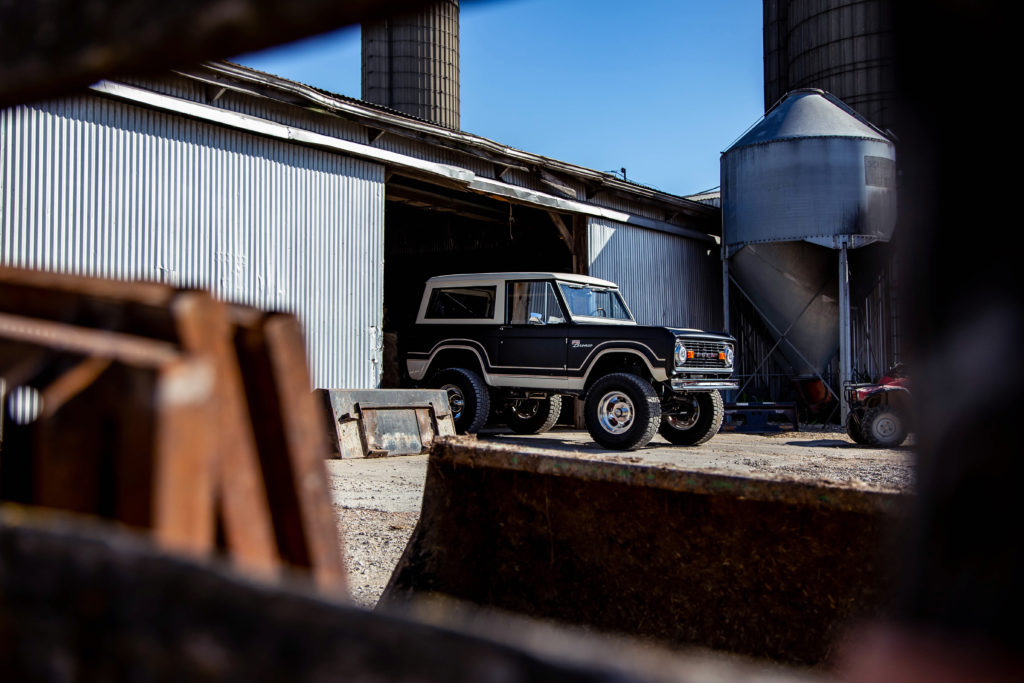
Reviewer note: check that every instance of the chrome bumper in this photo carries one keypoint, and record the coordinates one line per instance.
(703, 384)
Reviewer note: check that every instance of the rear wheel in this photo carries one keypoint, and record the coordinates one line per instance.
(533, 415)
(697, 423)
(883, 426)
(622, 411)
(468, 398)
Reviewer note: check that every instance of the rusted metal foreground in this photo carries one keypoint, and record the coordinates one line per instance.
(166, 410)
(767, 568)
(82, 601)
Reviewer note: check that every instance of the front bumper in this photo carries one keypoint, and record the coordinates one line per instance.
(703, 384)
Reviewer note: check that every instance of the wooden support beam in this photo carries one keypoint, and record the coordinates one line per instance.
(563, 230)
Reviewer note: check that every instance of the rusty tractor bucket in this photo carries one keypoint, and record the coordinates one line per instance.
(762, 567)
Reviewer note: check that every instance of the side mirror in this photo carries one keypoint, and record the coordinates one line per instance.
(535, 319)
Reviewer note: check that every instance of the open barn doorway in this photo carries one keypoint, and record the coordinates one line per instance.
(431, 230)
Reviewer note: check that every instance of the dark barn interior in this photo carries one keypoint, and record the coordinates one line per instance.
(430, 230)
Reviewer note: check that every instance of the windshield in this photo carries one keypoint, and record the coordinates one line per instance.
(591, 301)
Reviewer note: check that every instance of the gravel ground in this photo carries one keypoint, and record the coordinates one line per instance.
(378, 500)
(373, 541)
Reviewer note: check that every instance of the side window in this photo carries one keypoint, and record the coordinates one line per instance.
(462, 303)
(532, 302)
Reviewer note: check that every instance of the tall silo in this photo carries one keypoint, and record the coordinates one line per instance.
(844, 47)
(411, 63)
(810, 181)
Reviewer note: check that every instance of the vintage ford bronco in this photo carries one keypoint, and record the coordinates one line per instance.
(515, 343)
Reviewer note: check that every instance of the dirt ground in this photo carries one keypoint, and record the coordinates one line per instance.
(378, 500)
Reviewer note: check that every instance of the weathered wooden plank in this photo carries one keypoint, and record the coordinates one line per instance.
(289, 424)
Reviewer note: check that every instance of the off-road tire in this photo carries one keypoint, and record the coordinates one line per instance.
(467, 386)
(883, 427)
(710, 412)
(642, 415)
(533, 416)
(853, 429)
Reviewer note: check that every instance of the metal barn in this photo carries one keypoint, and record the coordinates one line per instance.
(279, 195)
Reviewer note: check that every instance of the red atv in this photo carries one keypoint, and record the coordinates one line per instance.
(880, 413)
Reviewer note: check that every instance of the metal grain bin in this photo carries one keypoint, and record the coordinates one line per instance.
(842, 46)
(411, 63)
(811, 172)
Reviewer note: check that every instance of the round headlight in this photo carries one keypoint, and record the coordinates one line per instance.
(730, 355)
(680, 353)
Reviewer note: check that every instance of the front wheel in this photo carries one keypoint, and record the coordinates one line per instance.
(533, 415)
(883, 426)
(468, 398)
(698, 419)
(622, 412)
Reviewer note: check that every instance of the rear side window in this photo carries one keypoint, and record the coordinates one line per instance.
(461, 303)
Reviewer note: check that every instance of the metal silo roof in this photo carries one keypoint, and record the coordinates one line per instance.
(809, 113)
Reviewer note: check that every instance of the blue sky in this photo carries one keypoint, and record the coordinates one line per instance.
(660, 88)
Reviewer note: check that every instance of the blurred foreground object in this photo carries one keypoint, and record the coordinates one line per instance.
(165, 410)
(52, 47)
(959, 598)
(85, 602)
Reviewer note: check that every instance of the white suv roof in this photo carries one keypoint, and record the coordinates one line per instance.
(466, 278)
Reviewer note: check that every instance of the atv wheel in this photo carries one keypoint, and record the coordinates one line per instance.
(468, 398)
(853, 429)
(622, 412)
(883, 426)
(533, 415)
(699, 424)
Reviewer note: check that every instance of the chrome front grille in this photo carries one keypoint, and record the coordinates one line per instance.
(706, 355)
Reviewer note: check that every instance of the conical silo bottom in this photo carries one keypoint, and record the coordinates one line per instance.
(794, 285)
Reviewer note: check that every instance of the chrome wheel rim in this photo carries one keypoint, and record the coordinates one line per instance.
(615, 412)
(525, 409)
(683, 423)
(456, 400)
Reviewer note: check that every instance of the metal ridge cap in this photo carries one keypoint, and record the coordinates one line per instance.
(272, 129)
(281, 131)
(370, 111)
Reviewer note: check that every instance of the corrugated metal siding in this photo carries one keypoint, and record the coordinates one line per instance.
(665, 279)
(96, 187)
(875, 327)
(620, 204)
